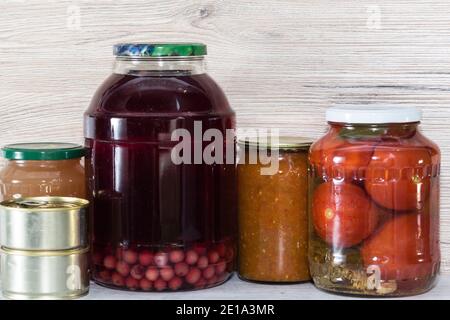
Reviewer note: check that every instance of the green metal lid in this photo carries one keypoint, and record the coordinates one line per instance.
(282, 142)
(159, 49)
(43, 151)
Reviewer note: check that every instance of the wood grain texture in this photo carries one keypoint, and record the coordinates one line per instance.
(281, 63)
(236, 289)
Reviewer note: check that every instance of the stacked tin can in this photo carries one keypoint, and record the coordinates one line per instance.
(44, 248)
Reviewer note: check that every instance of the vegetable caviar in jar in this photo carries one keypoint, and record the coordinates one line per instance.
(273, 218)
(374, 203)
(160, 224)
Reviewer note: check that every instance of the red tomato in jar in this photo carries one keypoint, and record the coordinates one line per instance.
(322, 145)
(406, 247)
(343, 215)
(396, 177)
(346, 159)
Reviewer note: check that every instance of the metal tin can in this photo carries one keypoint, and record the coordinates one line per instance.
(45, 274)
(44, 223)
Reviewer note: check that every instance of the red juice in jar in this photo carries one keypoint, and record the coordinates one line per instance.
(157, 224)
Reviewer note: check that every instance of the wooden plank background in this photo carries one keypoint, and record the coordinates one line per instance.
(281, 63)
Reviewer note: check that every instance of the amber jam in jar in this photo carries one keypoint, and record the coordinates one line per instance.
(374, 195)
(158, 224)
(42, 169)
(273, 211)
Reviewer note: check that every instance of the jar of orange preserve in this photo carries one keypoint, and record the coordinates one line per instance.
(374, 203)
(41, 169)
(273, 211)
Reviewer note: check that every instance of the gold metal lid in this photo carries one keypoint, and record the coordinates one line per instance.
(282, 142)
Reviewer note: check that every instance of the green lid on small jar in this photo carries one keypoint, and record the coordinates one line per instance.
(144, 50)
(43, 151)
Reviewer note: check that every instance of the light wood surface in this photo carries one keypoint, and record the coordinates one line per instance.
(281, 63)
(236, 289)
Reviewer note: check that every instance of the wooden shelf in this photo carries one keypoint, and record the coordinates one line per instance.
(236, 289)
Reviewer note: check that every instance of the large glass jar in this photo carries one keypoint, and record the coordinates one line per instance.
(374, 197)
(42, 169)
(273, 210)
(160, 223)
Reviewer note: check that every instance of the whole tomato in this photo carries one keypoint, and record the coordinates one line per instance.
(343, 215)
(343, 159)
(405, 247)
(396, 177)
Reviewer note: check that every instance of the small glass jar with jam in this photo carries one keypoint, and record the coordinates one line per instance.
(273, 218)
(42, 169)
(374, 195)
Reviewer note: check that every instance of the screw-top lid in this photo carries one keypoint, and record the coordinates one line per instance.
(282, 142)
(159, 49)
(373, 113)
(43, 151)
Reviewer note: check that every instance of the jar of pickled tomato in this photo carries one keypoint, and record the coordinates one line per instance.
(374, 203)
(159, 223)
(42, 169)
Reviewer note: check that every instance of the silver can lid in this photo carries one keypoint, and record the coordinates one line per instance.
(45, 203)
